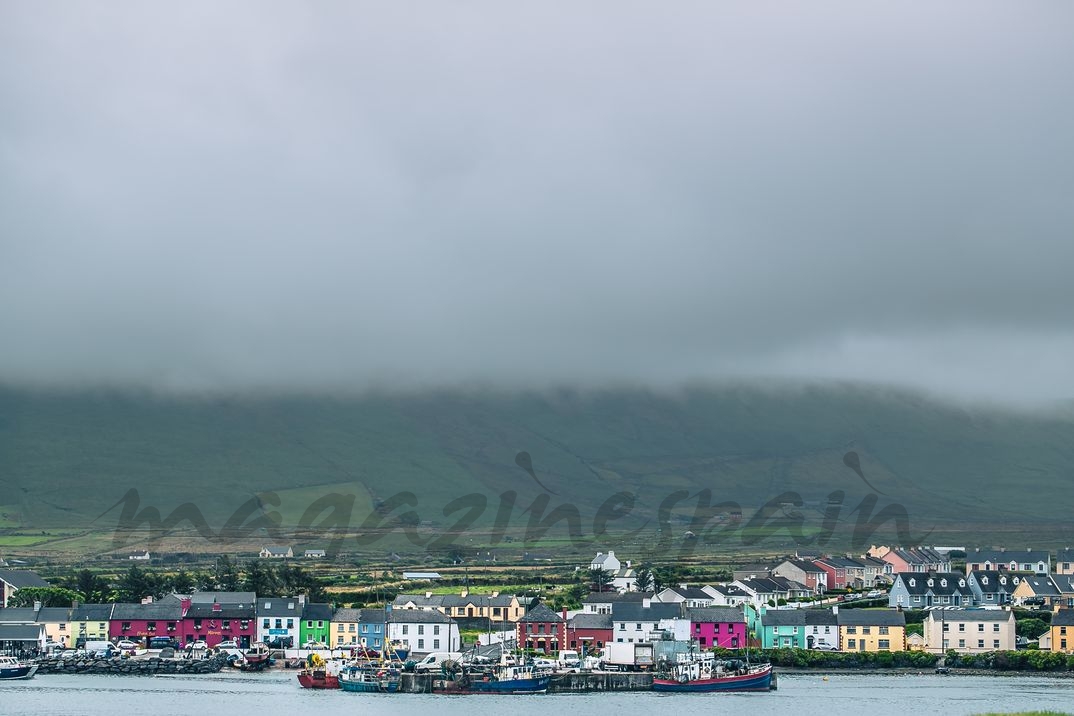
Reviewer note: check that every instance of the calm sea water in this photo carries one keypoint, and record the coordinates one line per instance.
(279, 693)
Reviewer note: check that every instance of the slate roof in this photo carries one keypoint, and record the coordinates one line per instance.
(91, 613)
(12, 632)
(162, 610)
(634, 612)
(585, 620)
(418, 616)
(807, 567)
(223, 597)
(784, 617)
(278, 607)
(54, 614)
(971, 615)
(346, 614)
(870, 617)
(1063, 617)
(317, 611)
(1043, 585)
(616, 597)
(991, 581)
(712, 615)
(820, 617)
(226, 611)
(22, 578)
(1003, 556)
(373, 616)
(453, 600)
(541, 613)
(25, 615)
(921, 583)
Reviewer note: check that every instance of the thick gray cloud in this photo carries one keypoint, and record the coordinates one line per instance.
(318, 195)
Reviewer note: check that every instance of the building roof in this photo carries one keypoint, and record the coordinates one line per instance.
(318, 612)
(990, 580)
(939, 583)
(712, 615)
(54, 614)
(22, 615)
(541, 613)
(820, 617)
(783, 617)
(91, 613)
(870, 617)
(421, 575)
(1003, 556)
(633, 611)
(223, 597)
(602, 558)
(22, 578)
(1063, 617)
(807, 567)
(418, 616)
(373, 616)
(225, 611)
(971, 615)
(162, 610)
(347, 614)
(19, 632)
(276, 550)
(1043, 585)
(588, 620)
(279, 607)
(616, 597)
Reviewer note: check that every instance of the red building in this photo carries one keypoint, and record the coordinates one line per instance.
(141, 622)
(837, 573)
(216, 622)
(542, 629)
(589, 632)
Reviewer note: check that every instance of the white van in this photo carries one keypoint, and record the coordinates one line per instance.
(102, 649)
(435, 659)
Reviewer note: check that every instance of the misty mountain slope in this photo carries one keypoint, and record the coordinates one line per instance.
(65, 459)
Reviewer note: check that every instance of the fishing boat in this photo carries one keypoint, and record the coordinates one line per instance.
(504, 678)
(12, 668)
(317, 675)
(255, 658)
(710, 675)
(369, 679)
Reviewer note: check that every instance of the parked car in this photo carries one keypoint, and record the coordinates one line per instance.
(162, 642)
(544, 664)
(228, 644)
(127, 645)
(825, 647)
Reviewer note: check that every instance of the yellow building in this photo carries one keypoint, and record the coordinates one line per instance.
(57, 623)
(1063, 631)
(89, 622)
(872, 630)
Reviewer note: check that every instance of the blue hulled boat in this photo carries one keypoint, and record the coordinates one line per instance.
(12, 668)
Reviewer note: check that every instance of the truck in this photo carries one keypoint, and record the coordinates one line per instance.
(627, 656)
(568, 660)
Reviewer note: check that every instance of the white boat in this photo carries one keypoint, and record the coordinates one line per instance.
(12, 668)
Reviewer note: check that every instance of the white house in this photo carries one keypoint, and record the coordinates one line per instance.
(315, 554)
(423, 631)
(276, 553)
(140, 556)
(278, 619)
(607, 562)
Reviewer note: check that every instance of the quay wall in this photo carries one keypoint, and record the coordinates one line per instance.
(133, 667)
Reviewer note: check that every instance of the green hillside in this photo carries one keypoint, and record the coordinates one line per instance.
(964, 473)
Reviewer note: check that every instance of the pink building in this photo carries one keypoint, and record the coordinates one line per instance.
(141, 622)
(718, 626)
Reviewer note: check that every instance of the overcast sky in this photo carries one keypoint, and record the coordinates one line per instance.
(207, 195)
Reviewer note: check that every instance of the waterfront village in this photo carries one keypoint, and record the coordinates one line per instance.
(890, 599)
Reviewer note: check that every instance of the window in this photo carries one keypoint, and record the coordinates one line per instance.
(279, 623)
(290, 623)
(405, 628)
(866, 630)
(351, 629)
(309, 624)
(980, 627)
(341, 627)
(126, 626)
(265, 624)
(852, 643)
(827, 630)
(421, 629)
(883, 630)
(622, 625)
(884, 644)
(149, 626)
(961, 627)
(852, 630)
(436, 629)
(226, 624)
(436, 643)
(637, 627)
(962, 643)
(995, 627)
(197, 623)
(995, 643)
(980, 643)
(421, 644)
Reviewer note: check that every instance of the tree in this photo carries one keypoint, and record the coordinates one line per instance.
(226, 574)
(93, 587)
(261, 579)
(600, 579)
(48, 596)
(1030, 628)
(182, 582)
(137, 584)
(644, 579)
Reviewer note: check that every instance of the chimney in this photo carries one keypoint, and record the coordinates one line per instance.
(216, 606)
(646, 603)
(465, 592)
(495, 594)
(147, 600)
(302, 599)
(428, 595)
(835, 610)
(74, 604)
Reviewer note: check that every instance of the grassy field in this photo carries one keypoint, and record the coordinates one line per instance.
(961, 475)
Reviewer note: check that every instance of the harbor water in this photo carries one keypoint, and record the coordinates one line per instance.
(802, 694)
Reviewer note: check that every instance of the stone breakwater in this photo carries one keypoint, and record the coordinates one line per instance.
(132, 667)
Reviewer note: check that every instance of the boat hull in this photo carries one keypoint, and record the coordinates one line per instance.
(13, 673)
(757, 681)
(537, 685)
(369, 687)
(318, 681)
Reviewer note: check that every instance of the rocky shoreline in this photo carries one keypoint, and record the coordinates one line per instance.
(128, 666)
